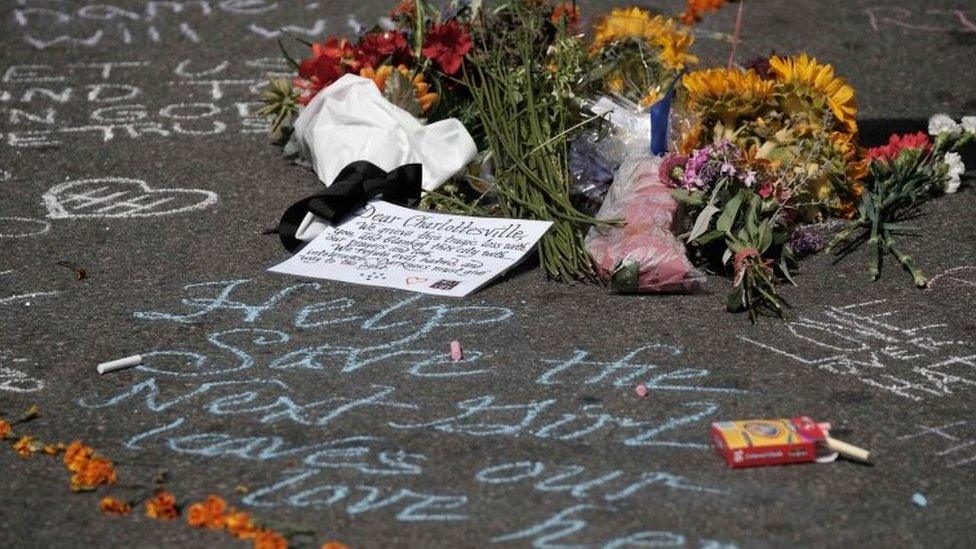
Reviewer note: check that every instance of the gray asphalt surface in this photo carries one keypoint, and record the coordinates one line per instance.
(335, 405)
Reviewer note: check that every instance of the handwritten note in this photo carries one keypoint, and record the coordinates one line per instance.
(432, 253)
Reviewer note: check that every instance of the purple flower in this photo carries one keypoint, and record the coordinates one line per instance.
(806, 241)
(748, 178)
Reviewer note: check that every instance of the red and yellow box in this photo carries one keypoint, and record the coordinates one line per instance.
(757, 442)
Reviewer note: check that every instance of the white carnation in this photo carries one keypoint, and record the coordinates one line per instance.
(943, 124)
(969, 124)
(956, 169)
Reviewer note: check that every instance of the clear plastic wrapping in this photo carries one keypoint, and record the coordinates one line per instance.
(641, 255)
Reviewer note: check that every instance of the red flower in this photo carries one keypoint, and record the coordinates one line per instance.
(447, 44)
(898, 143)
(377, 47)
(329, 62)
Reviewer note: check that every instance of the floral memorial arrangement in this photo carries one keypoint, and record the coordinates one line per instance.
(653, 170)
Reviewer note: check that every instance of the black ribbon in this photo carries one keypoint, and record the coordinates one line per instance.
(355, 185)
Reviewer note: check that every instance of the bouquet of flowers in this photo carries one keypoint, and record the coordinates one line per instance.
(904, 173)
(760, 159)
(762, 151)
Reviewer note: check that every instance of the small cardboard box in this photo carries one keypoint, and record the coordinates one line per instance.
(757, 442)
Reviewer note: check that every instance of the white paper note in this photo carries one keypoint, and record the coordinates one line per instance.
(433, 253)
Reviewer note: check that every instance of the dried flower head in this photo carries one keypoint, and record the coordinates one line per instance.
(162, 506)
(112, 506)
(26, 446)
(92, 474)
(76, 455)
(268, 539)
(694, 9)
(5, 429)
(208, 514)
(240, 525)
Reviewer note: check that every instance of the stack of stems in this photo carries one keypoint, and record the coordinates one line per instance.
(525, 125)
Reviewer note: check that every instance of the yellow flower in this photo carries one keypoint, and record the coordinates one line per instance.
(623, 23)
(112, 506)
(804, 75)
(674, 45)
(726, 94)
(162, 506)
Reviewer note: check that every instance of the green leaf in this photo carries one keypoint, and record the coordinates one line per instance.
(703, 221)
(729, 213)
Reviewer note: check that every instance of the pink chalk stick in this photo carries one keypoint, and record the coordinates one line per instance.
(456, 354)
(641, 390)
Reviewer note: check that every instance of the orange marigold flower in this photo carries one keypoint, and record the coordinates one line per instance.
(94, 472)
(76, 455)
(208, 514)
(240, 525)
(196, 515)
(26, 446)
(406, 8)
(269, 539)
(334, 545)
(112, 506)
(5, 429)
(695, 8)
(568, 11)
(162, 506)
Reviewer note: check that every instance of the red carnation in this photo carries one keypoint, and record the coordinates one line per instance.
(898, 143)
(377, 47)
(447, 45)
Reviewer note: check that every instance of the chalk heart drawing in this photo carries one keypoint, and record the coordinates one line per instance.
(109, 197)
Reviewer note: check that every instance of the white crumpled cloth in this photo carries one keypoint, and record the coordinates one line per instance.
(351, 120)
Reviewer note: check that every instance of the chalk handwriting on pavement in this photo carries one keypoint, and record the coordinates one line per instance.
(107, 197)
(22, 227)
(343, 465)
(875, 346)
(50, 25)
(16, 381)
(930, 20)
(952, 444)
(133, 99)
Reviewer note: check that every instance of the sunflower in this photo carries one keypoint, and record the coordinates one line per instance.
(803, 84)
(380, 76)
(624, 23)
(726, 94)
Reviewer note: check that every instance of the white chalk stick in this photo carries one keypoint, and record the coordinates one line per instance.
(847, 450)
(119, 364)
